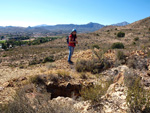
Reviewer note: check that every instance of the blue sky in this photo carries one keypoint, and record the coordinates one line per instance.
(51, 12)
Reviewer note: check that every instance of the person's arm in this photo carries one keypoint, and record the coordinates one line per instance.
(70, 40)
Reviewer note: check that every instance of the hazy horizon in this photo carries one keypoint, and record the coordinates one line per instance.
(59, 24)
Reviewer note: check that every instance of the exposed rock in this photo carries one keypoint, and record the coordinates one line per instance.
(114, 100)
(22, 78)
(81, 106)
(6, 84)
(1, 88)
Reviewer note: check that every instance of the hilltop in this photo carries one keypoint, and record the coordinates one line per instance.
(109, 64)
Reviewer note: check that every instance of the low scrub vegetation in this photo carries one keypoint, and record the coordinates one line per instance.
(95, 46)
(94, 66)
(36, 104)
(63, 73)
(138, 98)
(94, 92)
(129, 77)
(117, 45)
(136, 39)
(120, 55)
(49, 59)
(120, 34)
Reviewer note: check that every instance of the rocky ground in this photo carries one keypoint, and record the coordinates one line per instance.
(65, 87)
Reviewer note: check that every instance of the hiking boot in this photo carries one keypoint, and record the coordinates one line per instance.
(70, 62)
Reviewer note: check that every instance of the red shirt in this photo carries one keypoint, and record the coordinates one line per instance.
(72, 39)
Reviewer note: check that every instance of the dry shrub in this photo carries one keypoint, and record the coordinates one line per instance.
(94, 66)
(138, 98)
(48, 59)
(95, 46)
(63, 73)
(120, 55)
(129, 77)
(137, 62)
(38, 104)
(94, 92)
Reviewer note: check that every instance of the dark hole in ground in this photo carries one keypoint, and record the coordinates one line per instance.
(71, 90)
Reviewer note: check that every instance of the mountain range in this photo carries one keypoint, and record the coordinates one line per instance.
(56, 29)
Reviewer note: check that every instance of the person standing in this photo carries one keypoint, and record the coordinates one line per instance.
(72, 43)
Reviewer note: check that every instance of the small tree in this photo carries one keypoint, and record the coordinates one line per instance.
(121, 34)
(2, 37)
(4, 46)
(136, 39)
(117, 45)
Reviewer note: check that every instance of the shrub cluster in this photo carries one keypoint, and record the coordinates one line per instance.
(117, 45)
(136, 39)
(120, 55)
(95, 46)
(94, 92)
(120, 34)
(49, 59)
(39, 104)
(138, 98)
(94, 66)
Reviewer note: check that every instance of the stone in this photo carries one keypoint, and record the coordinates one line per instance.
(1, 88)
(148, 73)
(6, 84)
(22, 78)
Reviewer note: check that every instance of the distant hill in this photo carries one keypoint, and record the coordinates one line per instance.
(90, 27)
(47, 30)
(121, 24)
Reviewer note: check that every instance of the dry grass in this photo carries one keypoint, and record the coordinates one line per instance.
(94, 92)
(24, 102)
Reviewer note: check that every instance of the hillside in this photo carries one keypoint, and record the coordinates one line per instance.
(104, 78)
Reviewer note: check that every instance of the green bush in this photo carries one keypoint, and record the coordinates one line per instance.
(136, 39)
(120, 34)
(117, 45)
(133, 43)
(49, 59)
(138, 98)
(94, 92)
(95, 46)
(4, 55)
(4, 46)
(120, 55)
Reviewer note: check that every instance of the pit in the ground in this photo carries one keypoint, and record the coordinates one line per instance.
(70, 90)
